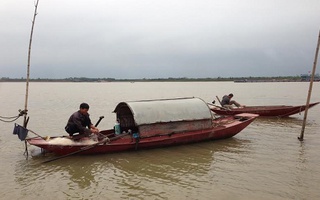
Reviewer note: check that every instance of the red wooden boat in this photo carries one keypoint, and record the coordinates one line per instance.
(266, 111)
(151, 124)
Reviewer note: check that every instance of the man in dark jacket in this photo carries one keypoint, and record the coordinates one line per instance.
(227, 102)
(80, 122)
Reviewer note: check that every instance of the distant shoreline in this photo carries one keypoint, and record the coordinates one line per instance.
(234, 79)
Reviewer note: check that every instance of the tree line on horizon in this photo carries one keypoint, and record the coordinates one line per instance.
(182, 79)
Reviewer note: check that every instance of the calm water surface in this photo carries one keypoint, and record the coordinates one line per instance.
(264, 161)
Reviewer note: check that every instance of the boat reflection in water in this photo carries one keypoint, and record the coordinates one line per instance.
(180, 164)
(282, 122)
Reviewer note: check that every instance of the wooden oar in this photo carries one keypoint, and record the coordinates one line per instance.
(98, 122)
(87, 147)
(219, 100)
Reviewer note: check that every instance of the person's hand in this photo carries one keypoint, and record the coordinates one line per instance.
(94, 130)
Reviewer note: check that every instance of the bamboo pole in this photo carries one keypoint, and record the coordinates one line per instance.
(25, 118)
(310, 90)
(25, 121)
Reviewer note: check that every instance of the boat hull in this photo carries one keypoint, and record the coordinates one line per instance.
(264, 111)
(222, 128)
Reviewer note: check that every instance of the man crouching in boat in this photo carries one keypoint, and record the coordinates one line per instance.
(78, 123)
(227, 102)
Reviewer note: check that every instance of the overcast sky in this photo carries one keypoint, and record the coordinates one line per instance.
(159, 39)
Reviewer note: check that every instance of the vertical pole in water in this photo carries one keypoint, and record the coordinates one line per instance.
(26, 119)
(28, 68)
(310, 89)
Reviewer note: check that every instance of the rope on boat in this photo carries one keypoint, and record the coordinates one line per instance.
(9, 119)
(13, 118)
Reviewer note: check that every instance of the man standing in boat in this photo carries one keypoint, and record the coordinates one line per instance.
(227, 102)
(80, 122)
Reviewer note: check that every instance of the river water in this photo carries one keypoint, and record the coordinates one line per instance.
(264, 161)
